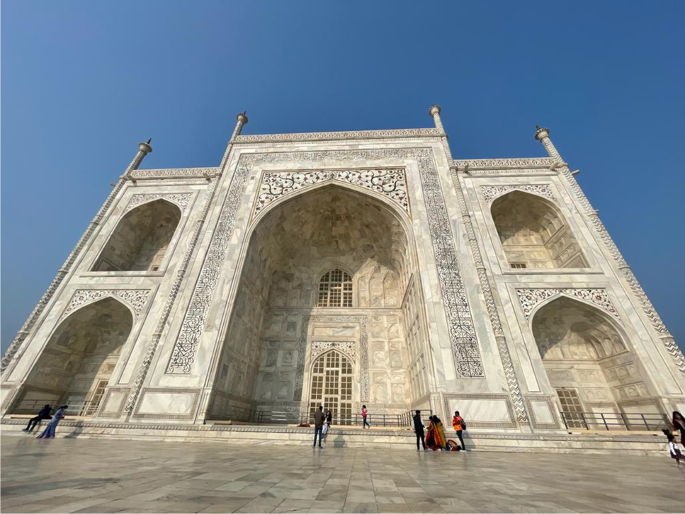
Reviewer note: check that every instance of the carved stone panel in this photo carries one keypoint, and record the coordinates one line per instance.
(531, 298)
(134, 298)
(388, 182)
(492, 192)
(180, 199)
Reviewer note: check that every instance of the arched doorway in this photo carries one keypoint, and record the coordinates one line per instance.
(79, 359)
(329, 265)
(331, 386)
(534, 234)
(588, 363)
(141, 239)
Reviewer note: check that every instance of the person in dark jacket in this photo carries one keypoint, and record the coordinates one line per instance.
(418, 430)
(43, 414)
(319, 417)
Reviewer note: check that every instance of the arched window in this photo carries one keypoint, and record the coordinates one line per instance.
(335, 289)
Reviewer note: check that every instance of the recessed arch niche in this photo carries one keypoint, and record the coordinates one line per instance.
(534, 234)
(81, 355)
(291, 248)
(141, 239)
(587, 355)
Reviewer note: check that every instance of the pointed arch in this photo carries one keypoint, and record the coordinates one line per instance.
(141, 238)
(534, 233)
(81, 355)
(588, 359)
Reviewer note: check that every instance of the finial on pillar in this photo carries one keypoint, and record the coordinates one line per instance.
(542, 135)
(242, 120)
(143, 150)
(434, 111)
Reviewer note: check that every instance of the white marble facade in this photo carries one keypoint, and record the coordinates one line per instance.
(371, 260)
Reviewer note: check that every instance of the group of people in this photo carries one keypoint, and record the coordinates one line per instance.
(435, 438)
(49, 431)
(677, 425)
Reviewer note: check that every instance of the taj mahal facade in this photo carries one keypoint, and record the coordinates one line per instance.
(342, 269)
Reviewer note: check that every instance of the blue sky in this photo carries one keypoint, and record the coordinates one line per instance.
(84, 82)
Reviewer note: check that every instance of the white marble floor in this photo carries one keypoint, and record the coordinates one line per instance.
(101, 475)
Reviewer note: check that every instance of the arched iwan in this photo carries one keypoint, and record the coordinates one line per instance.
(534, 234)
(141, 239)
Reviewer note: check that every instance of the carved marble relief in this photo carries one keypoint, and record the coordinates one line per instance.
(180, 199)
(492, 192)
(134, 298)
(347, 348)
(390, 183)
(531, 298)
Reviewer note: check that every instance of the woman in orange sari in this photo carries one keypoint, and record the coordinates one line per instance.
(440, 438)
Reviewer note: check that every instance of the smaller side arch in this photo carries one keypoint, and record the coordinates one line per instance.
(141, 239)
(534, 233)
(80, 356)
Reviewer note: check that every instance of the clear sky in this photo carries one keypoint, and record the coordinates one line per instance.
(84, 82)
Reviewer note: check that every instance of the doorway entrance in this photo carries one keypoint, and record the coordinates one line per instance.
(332, 386)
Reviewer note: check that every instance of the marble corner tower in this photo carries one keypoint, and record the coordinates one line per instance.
(341, 269)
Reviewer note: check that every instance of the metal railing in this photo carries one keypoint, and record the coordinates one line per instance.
(379, 420)
(76, 408)
(614, 421)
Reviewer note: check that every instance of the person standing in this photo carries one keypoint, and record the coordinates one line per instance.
(459, 427)
(49, 432)
(327, 422)
(418, 430)
(43, 414)
(318, 425)
(365, 413)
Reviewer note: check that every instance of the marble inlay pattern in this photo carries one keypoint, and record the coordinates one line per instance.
(492, 192)
(174, 173)
(347, 348)
(135, 298)
(460, 323)
(388, 182)
(531, 298)
(326, 136)
(180, 199)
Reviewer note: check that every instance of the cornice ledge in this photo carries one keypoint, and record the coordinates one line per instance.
(329, 136)
(165, 173)
(524, 163)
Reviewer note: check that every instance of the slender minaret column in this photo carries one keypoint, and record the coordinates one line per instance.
(242, 121)
(143, 150)
(434, 111)
(144, 367)
(542, 135)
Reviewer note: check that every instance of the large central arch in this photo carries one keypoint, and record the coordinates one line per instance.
(298, 247)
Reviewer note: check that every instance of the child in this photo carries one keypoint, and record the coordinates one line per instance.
(673, 448)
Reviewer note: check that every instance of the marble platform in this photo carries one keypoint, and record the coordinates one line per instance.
(637, 443)
(89, 475)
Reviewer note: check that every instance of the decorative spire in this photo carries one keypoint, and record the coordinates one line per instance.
(434, 111)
